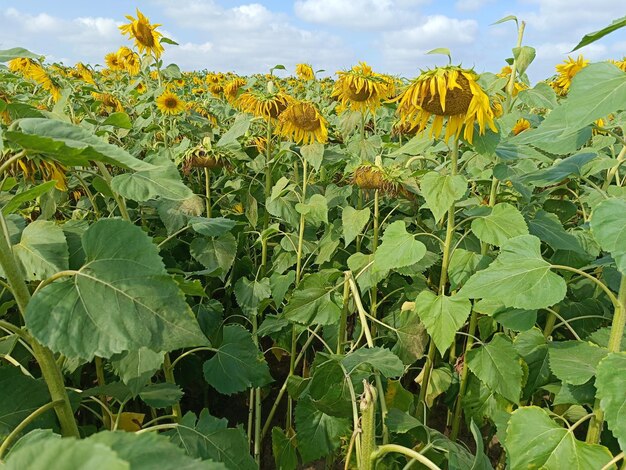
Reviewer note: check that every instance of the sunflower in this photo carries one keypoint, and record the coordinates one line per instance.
(361, 89)
(33, 165)
(302, 123)
(83, 73)
(129, 60)
(621, 64)
(109, 102)
(520, 126)
(113, 62)
(169, 103)
(447, 93)
(566, 72)
(305, 72)
(21, 65)
(4, 115)
(147, 38)
(43, 78)
(264, 105)
(231, 89)
(141, 88)
(388, 180)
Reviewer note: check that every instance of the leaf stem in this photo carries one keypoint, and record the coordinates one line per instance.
(410, 453)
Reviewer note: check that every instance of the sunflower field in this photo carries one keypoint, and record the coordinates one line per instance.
(200, 270)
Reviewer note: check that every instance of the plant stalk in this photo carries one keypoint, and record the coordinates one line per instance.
(368, 425)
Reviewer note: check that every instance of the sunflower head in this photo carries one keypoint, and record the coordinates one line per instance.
(83, 73)
(520, 126)
(109, 103)
(302, 123)
(32, 167)
(169, 103)
(113, 62)
(305, 72)
(231, 89)
(37, 73)
(566, 72)
(450, 94)
(129, 60)
(621, 64)
(203, 156)
(263, 104)
(21, 65)
(361, 89)
(147, 38)
(387, 180)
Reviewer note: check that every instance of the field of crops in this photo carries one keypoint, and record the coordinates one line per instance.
(202, 270)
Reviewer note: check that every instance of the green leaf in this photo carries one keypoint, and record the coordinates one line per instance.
(523, 56)
(503, 223)
(575, 362)
(534, 440)
(171, 72)
(135, 368)
(533, 348)
(463, 264)
(398, 249)
(25, 196)
(42, 250)
(481, 403)
(611, 383)
(54, 453)
(70, 144)
(560, 170)
(608, 225)
(163, 180)
(353, 221)
(540, 96)
(213, 227)
(593, 37)
(17, 52)
(284, 450)
(238, 128)
(549, 229)
(161, 395)
(215, 254)
(119, 119)
(519, 277)
(497, 365)
(329, 387)
(318, 434)
(311, 302)
(148, 451)
(207, 437)
(380, 359)
(313, 154)
(121, 299)
(315, 210)
(237, 364)
(21, 395)
(412, 337)
(442, 316)
(441, 191)
(249, 294)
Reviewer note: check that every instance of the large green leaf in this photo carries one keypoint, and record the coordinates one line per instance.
(575, 362)
(380, 359)
(503, 223)
(250, 293)
(608, 225)
(518, 278)
(135, 368)
(207, 437)
(611, 383)
(593, 37)
(70, 144)
(15, 53)
(237, 364)
(311, 303)
(534, 440)
(441, 191)
(354, 221)
(319, 434)
(284, 450)
(497, 365)
(412, 337)
(42, 250)
(25, 196)
(216, 254)
(549, 229)
(121, 299)
(442, 316)
(532, 346)
(329, 387)
(398, 249)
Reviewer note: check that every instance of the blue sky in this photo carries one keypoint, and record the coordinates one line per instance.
(252, 36)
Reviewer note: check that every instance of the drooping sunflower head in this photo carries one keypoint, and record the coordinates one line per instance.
(21, 65)
(32, 167)
(566, 72)
(231, 89)
(520, 126)
(83, 73)
(263, 104)
(305, 72)
(170, 104)
(204, 156)
(37, 73)
(448, 94)
(621, 64)
(113, 62)
(147, 38)
(387, 179)
(361, 89)
(109, 103)
(129, 60)
(302, 123)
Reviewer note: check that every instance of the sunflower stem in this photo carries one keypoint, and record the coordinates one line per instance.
(374, 290)
(207, 191)
(168, 371)
(510, 87)
(121, 203)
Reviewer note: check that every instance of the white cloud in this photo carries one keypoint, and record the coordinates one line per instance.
(358, 14)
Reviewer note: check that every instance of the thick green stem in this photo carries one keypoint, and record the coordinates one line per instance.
(613, 171)
(101, 383)
(168, 371)
(443, 278)
(368, 425)
(410, 453)
(550, 322)
(207, 191)
(615, 339)
(49, 368)
(121, 203)
(374, 290)
(341, 334)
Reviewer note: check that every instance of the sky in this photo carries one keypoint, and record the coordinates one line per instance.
(247, 37)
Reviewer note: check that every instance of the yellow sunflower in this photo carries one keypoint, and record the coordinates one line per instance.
(302, 123)
(21, 65)
(84, 73)
(169, 103)
(109, 102)
(264, 105)
(506, 73)
(147, 38)
(129, 60)
(31, 166)
(43, 78)
(305, 72)
(520, 126)
(448, 93)
(566, 72)
(113, 62)
(621, 64)
(231, 89)
(361, 88)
